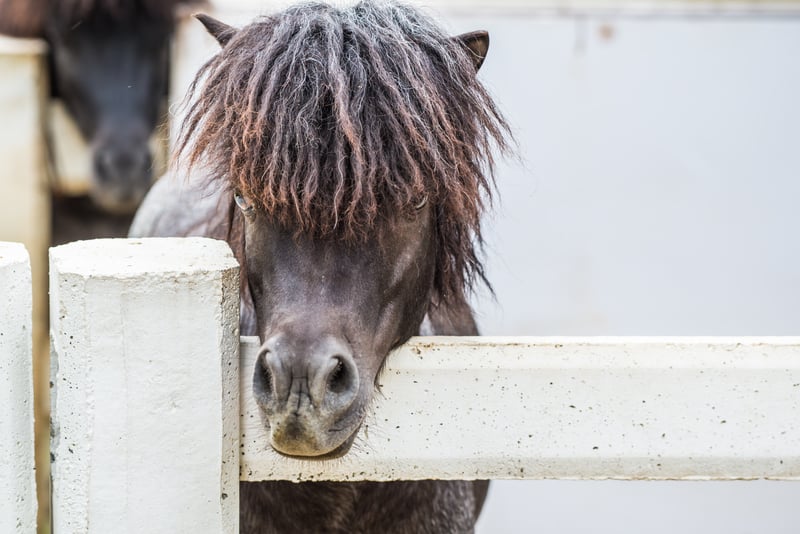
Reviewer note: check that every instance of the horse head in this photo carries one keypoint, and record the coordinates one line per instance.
(356, 146)
(109, 65)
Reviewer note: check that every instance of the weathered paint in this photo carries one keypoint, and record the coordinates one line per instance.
(145, 398)
(17, 475)
(568, 408)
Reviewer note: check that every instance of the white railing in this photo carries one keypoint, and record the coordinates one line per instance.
(568, 408)
(150, 436)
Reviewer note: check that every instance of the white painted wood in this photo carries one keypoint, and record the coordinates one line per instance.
(17, 474)
(145, 348)
(568, 408)
(24, 192)
(25, 200)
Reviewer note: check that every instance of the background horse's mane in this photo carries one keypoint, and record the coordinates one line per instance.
(74, 10)
(335, 120)
(26, 18)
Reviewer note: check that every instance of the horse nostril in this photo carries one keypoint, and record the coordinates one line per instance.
(322, 378)
(130, 164)
(266, 376)
(103, 166)
(263, 381)
(336, 384)
(338, 380)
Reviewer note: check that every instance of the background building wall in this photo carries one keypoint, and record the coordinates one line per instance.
(657, 195)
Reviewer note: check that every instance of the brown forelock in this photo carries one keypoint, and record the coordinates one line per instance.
(337, 120)
(72, 11)
(22, 18)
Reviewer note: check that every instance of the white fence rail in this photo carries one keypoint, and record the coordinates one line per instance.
(146, 398)
(571, 408)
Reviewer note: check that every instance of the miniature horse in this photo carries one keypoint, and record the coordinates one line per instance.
(345, 155)
(109, 64)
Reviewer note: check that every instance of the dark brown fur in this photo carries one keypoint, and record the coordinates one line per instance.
(74, 10)
(419, 507)
(303, 112)
(26, 18)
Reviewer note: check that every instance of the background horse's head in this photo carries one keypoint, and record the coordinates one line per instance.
(357, 145)
(109, 64)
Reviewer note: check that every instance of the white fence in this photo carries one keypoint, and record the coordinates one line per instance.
(150, 433)
(17, 486)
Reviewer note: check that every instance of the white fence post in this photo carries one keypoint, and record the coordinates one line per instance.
(17, 474)
(25, 199)
(145, 398)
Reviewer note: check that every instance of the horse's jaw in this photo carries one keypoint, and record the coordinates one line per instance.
(338, 452)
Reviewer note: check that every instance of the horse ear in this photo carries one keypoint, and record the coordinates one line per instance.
(23, 18)
(218, 29)
(477, 44)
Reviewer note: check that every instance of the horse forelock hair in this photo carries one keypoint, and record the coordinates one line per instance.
(337, 120)
(74, 11)
(27, 18)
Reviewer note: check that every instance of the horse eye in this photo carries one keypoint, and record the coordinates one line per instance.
(422, 203)
(242, 202)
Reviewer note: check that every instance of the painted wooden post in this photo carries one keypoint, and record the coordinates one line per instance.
(569, 408)
(25, 202)
(145, 398)
(17, 474)
(24, 191)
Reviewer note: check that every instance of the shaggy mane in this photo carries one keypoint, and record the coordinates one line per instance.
(335, 121)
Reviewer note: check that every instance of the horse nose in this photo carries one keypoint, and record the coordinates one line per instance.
(320, 380)
(124, 166)
(121, 177)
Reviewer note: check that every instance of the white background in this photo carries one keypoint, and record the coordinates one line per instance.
(658, 196)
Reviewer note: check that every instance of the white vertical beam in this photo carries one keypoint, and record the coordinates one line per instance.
(17, 475)
(24, 191)
(25, 201)
(145, 402)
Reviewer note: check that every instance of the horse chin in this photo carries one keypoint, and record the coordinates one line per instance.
(337, 452)
(294, 443)
(114, 204)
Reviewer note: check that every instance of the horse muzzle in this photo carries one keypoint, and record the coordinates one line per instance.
(122, 175)
(308, 392)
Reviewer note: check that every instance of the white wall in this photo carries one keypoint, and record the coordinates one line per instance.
(663, 166)
(658, 197)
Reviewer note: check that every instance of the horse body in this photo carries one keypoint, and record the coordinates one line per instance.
(343, 154)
